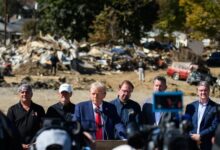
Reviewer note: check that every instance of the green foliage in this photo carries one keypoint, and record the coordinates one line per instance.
(12, 7)
(106, 27)
(171, 16)
(126, 20)
(202, 17)
(1, 8)
(136, 17)
(100, 20)
(198, 18)
(71, 18)
(29, 28)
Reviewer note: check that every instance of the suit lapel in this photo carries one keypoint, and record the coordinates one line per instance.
(196, 114)
(161, 118)
(91, 112)
(153, 114)
(105, 111)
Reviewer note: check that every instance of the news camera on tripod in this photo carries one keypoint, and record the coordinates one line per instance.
(172, 131)
(58, 135)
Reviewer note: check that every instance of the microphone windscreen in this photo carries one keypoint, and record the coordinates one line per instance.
(130, 112)
(97, 111)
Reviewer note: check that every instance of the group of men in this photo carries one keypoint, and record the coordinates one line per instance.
(104, 120)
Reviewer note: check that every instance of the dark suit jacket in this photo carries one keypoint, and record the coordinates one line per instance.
(58, 110)
(208, 124)
(84, 113)
(148, 116)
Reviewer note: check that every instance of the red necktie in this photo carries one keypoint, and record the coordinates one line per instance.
(98, 123)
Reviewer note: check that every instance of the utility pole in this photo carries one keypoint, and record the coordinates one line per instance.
(6, 20)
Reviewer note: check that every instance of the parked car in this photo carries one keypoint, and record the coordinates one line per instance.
(213, 59)
(180, 70)
(195, 77)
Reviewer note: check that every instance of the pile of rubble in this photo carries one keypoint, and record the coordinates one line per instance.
(33, 56)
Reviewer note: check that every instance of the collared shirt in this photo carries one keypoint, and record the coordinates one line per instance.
(27, 122)
(157, 117)
(102, 120)
(128, 112)
(63, 112)
(100, 109)
(95, 106)
(201, 111)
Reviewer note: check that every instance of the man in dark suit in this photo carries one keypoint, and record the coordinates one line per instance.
(148, 116)
(204, 118)
(98, 117)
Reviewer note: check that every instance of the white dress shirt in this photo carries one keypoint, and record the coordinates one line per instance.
(201, 111)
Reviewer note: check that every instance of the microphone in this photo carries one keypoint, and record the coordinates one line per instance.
(98, 111)
(130, 112)
(131, 116)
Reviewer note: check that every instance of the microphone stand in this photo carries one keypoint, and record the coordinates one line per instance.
(103, 119)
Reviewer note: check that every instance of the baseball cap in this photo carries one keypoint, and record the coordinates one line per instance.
(65, 87)
(51, 137)
(25, 87)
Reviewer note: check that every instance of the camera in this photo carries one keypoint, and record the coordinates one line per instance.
(172, 131)
(168, 101)
(57, 134)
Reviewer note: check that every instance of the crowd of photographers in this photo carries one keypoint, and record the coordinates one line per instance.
(160, 124)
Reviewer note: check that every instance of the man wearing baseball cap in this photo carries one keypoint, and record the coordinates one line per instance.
(26, 115)
(64, 109)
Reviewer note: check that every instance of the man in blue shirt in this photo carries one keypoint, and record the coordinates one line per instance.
(204, 117)
(127, 109)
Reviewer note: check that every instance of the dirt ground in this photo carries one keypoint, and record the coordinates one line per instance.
(111, 79)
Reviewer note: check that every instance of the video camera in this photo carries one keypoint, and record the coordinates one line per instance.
(57, 134)
(168, 102)
(171, 133)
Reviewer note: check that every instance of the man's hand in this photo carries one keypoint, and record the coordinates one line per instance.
(90, 140)
(25, 146)
(196, 137)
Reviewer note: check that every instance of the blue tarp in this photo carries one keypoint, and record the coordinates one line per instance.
(119, 51)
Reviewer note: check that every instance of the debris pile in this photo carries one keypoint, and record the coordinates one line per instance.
(83, 57)
(33, 57)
